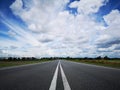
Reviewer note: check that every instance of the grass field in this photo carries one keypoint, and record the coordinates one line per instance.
(108, 63)
(16, 63)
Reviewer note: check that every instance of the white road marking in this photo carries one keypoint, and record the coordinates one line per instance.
(64, 79)
(54, 80)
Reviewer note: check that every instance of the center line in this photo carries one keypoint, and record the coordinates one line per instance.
(64, 79)
(54, 80)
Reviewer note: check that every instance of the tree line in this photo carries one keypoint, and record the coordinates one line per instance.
(55, 58)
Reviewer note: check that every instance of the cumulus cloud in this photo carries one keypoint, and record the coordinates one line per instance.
(109, 39)
(53, 31)
(113, 20)
(88, 6)
(111, 35)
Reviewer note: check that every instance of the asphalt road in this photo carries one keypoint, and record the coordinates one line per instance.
(60, 75)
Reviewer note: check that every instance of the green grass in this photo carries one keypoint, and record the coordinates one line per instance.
(107, 63)
(16, 63)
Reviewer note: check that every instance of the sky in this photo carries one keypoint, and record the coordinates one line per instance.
(59, 28)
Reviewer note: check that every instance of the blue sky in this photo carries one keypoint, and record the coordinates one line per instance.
(45, 28)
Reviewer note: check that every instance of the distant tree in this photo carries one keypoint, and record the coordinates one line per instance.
(106, 58)
(18, 59)
(98, 58)
(68, 58)
(85, 58)
(23, 59)
(10, 58)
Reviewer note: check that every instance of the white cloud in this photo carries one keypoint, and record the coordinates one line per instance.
(111, 32)
(108, 41)
(40, 13)
(22, 35)
(50, 21)
(113, 17)
(113, 20)
(88, 6)
(55, 32)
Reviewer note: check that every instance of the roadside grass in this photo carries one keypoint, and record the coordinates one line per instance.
(107, 63)
(16, 63)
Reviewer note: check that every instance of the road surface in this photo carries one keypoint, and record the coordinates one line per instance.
(60, 75)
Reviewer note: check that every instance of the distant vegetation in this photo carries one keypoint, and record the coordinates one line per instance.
(54, 58)
(15, 61)
(105, 61)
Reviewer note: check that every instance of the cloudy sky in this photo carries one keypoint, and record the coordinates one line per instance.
(74, 28)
